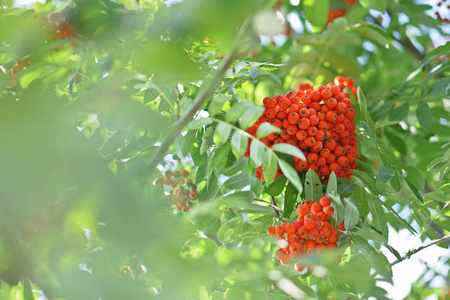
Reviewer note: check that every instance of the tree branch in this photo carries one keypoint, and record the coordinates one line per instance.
(205, 94)
(412, 252)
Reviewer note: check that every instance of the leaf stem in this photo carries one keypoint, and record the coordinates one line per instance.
(412, 252)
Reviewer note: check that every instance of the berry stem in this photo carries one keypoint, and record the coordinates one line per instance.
(412, 252)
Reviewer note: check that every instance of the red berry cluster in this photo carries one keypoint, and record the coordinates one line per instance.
(312, 231)
(20, 65)
(182, 188)
(57, 28)
(318, 122)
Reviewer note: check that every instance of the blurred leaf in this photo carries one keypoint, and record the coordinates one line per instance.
(399, 113)
(316, 11)
(379, 5)
(238, 181)
(216, 104)
(198, 123)
(385, 174)
(424, 115)
(439, 87)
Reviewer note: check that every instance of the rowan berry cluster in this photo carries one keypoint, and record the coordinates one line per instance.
(182, 189)
(319, 122)
(312, 231)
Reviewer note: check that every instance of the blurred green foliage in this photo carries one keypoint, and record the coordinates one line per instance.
(80, 217)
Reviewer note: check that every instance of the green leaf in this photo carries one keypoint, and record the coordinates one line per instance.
(414, 176)
(351, 215)
(216, 104)
(237, 111)
(316, 11)
(150, 95)
(373, 35)
(27, 290)
(339, 209)
(269, 167)
(257, 152)
(265, 129)
(313, 186)
(290, 198)
(424, 115)
(239, 144)
(276, 187)
(379, 5)
(238, 181)
(399, 113)
(291, 174)
(414, 190)
(198, 123)
(385, 174)
(289, 149)
(368, 180)
(240, 197)
(332, 184)
(378, 216)
(439, 87)
(221, 133)
(250, 116)
(371, 234)
(363, 109)
(378, 260)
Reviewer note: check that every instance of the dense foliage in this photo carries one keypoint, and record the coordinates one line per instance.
(153, 149)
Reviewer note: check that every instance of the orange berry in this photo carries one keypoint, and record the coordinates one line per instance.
(294, 248)
(313, 233)
(310, 244)
(328, 210)
(316, 208)
(292, 237)
(289, 228)
(309, 224)
(271, 230)
(302, 232)
(193, 194)
(298, 267)
(279, 230)
(325, 201)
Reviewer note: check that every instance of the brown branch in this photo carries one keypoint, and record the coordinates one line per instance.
(412, 252)
(205, 94)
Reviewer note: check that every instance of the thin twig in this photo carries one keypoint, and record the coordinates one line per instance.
(274, 204)
(411, 252)
(201, 98)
